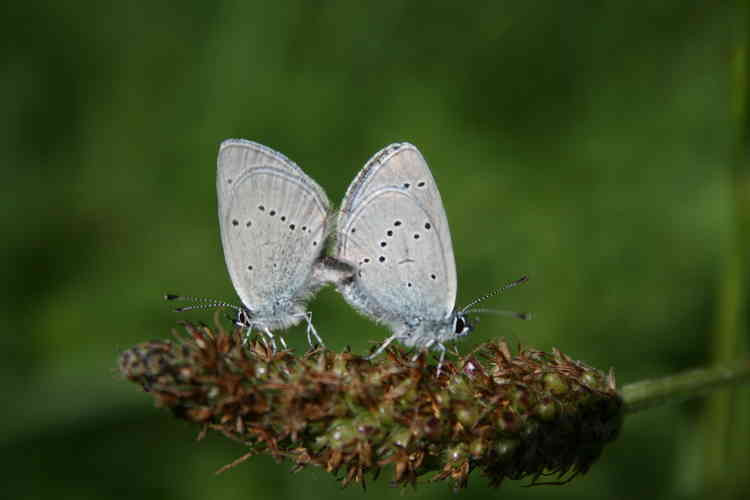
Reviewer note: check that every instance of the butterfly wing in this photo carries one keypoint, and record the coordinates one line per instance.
(393, 228)
(273, 220)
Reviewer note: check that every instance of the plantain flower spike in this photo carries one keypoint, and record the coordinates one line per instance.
(533, 415)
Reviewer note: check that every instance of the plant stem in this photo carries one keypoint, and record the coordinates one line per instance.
(725, 413)
(646, 394)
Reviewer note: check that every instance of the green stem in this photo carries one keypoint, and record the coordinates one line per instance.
(725, 413)
(649, 393)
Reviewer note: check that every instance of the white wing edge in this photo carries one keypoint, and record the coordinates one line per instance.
(376, 160)
(371, 166)
(280, 157)
(259, 147)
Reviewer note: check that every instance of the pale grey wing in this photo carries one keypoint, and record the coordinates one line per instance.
(403, 267)
(237, 155)
(402, 166)
(273, 224)
(366, 180)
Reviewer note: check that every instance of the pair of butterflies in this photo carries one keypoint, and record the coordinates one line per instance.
(392, 260)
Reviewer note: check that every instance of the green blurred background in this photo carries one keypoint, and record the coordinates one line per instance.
(586, 144)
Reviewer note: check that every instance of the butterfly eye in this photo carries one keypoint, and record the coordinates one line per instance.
(243, 318)
(459, 324)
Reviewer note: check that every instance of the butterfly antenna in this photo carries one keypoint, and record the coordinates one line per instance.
(203, 303)
(494, 292)
(498, 312)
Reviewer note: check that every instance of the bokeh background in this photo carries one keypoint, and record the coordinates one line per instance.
(586, 144)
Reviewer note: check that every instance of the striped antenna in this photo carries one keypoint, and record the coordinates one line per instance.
(494, 292)
(203, 303)
(498, 312)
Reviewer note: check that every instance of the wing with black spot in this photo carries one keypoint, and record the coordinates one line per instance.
(393, 226)
(273, 220)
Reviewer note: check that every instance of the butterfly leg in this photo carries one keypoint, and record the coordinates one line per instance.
(311, 331)
(424, 348)
(383, 346)
(441, 347)
(271, 339)
(262, 338)
(249, 331)
(247, 336)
